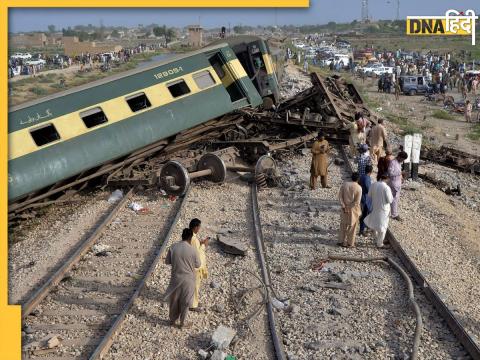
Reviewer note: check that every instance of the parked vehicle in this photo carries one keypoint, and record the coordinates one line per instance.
(36, 62)
(24, 56)
(414, 84)
(377, 69)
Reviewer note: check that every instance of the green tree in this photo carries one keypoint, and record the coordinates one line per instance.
(51, 28)
(158, 31)
(115, 34)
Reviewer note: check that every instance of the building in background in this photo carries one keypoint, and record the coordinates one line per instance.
(28, 40)
(72, 46)
(195, 35)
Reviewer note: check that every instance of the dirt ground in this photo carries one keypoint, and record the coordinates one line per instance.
(415, 112)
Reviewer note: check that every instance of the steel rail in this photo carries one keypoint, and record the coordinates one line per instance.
(43, 291)
(116, 326)
(470, 345)
(411, 296)
(280, 353)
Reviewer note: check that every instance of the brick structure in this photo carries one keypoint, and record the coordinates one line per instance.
(72, 46)
(195, 35)
(28, 40)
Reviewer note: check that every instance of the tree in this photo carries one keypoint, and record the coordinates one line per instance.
(51, 28)
(238, 29)
(115, 34)
(158, 31)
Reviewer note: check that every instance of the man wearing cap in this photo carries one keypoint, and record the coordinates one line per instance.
(319, 166)
(363, 159)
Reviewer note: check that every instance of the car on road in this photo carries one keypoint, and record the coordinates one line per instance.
(36, 62)
(414, 84)
(24, 56)
(377, 69)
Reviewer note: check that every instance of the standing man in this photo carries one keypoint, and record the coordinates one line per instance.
(319, 167)
(350, 195)
(353, 139)
(184, 260)
(365, 204)
(397, 89)
(378, 139)
(468, 111)
(381, 198)
(395, 181)
(384, 162)
(202, 271)
(363, 159)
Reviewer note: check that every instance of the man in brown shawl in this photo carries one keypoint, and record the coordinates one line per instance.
(350, 195)
(319, 167)
(184, 260)
(378, 139)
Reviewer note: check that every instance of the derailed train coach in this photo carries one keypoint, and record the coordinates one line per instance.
(255, 56)
(62, 135)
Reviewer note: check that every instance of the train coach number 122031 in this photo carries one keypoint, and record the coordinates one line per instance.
(168, 72)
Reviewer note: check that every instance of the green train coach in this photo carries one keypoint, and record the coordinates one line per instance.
(62, 135)
(255, 57)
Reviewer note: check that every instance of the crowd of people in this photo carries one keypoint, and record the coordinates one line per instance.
(365, 204)
(85, 61)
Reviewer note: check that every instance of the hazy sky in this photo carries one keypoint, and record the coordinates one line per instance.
(320, 12)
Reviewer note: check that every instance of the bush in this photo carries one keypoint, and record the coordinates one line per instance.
(38, 90)
(442, 114)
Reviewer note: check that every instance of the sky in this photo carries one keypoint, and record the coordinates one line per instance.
(319, 12)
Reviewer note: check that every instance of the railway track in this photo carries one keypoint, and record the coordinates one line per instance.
(467, 341)
(415, 342)
(85, 302)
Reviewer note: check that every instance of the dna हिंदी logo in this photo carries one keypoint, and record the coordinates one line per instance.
(453, 23)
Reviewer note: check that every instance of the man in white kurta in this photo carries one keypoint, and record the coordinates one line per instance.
(377, 220)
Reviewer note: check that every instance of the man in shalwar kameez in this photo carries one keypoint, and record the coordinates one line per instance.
(350, 195)
(377, 220)
(378, 139)
(319, 165)
(395, 182)
(202, 271)
(184, 260)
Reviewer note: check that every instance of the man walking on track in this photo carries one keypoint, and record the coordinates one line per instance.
(184, 260)
(319, 165)
(365, 183)
(381, 197)
(378, 139)
(202, 272)
(350, 195)
(396, 178)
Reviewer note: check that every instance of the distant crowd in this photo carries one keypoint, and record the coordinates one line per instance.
(86, 61)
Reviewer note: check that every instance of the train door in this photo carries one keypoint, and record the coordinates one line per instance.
(228, 78)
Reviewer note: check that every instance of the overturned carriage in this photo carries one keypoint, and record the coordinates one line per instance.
(63, 135)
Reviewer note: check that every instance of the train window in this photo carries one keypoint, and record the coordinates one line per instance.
(204, 79)
(178, 88)
(45, 135)
(138, 102)
(217, 63)
(93, 117)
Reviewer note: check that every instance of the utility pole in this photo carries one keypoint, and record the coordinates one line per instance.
(398, 9)
(364, 10)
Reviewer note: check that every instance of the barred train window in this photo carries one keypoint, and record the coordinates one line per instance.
(204, 79)
(138, 102)
(178, 88)
(45, 135)
(93, 117)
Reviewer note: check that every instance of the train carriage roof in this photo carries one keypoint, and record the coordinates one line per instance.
(118, 76)
(237, 39)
